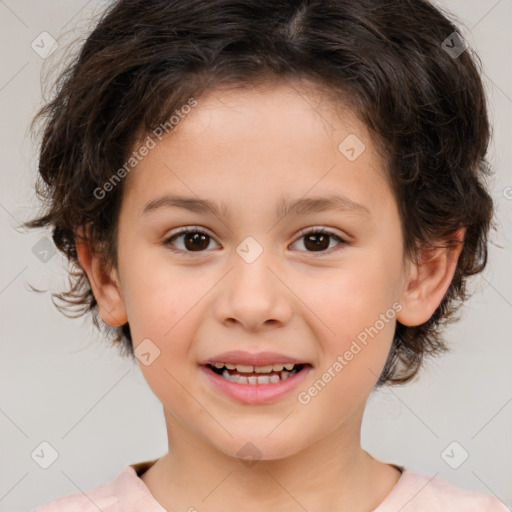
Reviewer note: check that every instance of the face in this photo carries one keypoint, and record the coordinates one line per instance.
(254, 277)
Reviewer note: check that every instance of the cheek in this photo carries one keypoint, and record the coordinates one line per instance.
(163, 308)
(154, 292)
(357, 320)
(348, 299)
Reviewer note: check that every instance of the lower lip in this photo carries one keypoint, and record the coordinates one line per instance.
(256, 393)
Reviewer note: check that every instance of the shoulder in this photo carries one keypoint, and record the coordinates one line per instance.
(104, 497)
(90, 501)
(417, 492)
(127, 492)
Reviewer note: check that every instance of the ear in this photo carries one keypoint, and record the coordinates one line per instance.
(428, 281)
(105, 284)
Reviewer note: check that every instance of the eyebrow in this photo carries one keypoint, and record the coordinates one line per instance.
(302, 206)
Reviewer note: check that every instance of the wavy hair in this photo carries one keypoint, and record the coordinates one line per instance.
(424, 106)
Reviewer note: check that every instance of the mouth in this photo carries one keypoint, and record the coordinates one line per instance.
(255, 385)
(256, 375)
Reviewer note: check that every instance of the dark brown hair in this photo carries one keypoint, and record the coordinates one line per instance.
(424, 105)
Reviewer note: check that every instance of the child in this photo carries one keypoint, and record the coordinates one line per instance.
(327, 158)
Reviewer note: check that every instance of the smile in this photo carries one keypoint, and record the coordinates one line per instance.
(253, 375)
(255, 384)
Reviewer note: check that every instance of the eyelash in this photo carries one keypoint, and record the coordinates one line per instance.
(194, 229)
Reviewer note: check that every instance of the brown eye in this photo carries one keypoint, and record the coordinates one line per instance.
(318, 240)
(194, 240)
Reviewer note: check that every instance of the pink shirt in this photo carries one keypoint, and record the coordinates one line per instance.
(414, 492)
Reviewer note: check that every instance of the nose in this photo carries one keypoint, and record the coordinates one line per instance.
(254, 295)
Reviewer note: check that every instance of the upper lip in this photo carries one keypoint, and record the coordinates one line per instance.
(252, 359)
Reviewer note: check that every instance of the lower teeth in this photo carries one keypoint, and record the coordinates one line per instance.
(260, 379)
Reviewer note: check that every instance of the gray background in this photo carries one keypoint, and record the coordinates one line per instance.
(61, 384)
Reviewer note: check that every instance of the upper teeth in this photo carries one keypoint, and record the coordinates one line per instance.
(242, 368)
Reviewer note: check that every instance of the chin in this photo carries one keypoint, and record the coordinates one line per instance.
(251, 449)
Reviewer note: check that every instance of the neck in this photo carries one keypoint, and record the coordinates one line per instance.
(334, 472)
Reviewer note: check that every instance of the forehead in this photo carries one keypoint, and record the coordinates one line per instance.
(302, 107)
(271, 141)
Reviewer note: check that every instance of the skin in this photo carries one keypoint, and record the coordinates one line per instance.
(247, 148)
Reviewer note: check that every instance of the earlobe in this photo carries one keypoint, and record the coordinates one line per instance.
(105, 286)
(428, 281)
